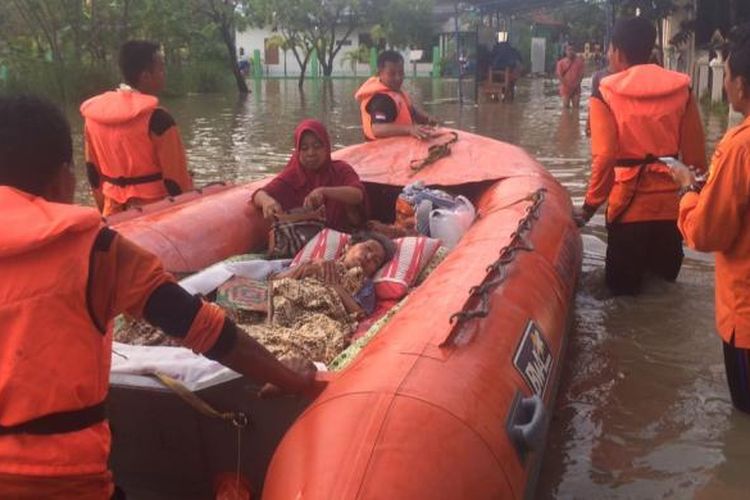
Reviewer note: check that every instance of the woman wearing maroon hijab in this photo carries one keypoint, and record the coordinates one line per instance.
(313, 180)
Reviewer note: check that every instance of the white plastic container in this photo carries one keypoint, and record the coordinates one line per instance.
(450, 225)
(465, 211)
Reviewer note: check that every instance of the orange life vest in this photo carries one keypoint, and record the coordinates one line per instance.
(117, 123)
(648, 104)
(368, 90)
(54, 361)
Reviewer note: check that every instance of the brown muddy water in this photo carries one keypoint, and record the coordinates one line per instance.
(643, 410)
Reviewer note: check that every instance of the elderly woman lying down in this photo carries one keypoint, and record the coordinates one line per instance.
(313, 307)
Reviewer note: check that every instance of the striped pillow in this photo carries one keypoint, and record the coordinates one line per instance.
(328, 244)
(394, 279)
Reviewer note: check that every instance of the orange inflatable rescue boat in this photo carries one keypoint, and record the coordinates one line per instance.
(451, 399)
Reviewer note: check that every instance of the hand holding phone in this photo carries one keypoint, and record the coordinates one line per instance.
(673, 162)
(681, 173)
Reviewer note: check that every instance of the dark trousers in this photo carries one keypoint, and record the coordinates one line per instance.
(737, 364)
(635, 249)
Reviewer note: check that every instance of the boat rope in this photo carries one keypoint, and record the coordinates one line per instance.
(238, 467)
(237, 419)
(477, 306)
(434, 153)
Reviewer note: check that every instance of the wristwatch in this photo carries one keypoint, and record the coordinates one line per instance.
(695, 187)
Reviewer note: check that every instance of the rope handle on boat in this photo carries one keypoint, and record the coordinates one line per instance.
(237, 419)
(200, 189)
(497, 272)
(434, 153)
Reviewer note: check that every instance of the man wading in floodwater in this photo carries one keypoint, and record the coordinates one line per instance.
(642, 112)
(570, 72)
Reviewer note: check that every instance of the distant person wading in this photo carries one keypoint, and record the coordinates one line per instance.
(570, 73)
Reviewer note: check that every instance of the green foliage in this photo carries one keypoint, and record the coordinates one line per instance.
(308, 25)
(584, 22)
(67, 49)
(203, 77)
(406, 23)
(720, 108)
(360, 55)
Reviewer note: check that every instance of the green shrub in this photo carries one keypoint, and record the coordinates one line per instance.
(74, 83)
(719, 108)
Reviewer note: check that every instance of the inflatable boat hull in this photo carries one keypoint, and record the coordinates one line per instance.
(452, 398)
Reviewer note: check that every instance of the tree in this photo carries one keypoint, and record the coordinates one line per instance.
(323, 26)
(584, 22)
(45, 22)
(333, 22)
(290, 19)
(227, 16)
(406, 23)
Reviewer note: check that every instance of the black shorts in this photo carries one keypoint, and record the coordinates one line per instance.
(635, 249)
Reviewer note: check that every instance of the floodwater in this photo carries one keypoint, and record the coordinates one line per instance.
(643, 410)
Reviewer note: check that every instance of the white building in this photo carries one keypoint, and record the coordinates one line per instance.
(275, 62)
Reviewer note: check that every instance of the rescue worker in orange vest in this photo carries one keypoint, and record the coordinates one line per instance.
(386, 109)
(65, 277)
(641, 112)
(713, 218)
(134, 153)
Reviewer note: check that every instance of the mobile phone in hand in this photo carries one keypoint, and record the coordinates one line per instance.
(673, 162)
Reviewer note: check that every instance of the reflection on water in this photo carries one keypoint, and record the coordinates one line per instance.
(643, 411)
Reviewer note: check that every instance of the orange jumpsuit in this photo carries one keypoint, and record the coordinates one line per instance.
(716, 220)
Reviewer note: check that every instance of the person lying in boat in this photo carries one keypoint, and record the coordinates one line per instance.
(351, 274)
(314, 307)
(386, 109)
(65, 277)
(312, 180)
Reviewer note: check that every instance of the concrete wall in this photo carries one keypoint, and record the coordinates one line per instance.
(254, 38)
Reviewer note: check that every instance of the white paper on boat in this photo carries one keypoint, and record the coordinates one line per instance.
(194, 371)
(206, 281)
(211, 278)
(257, 269)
